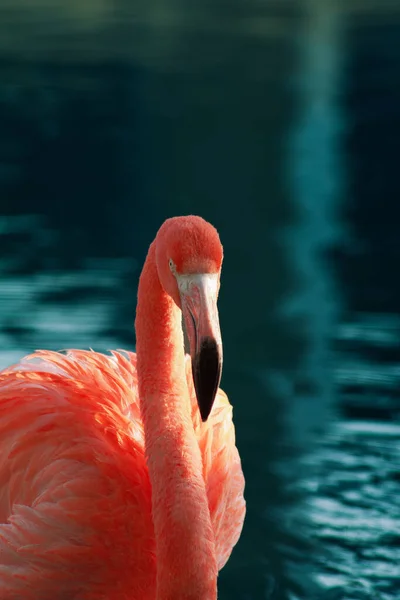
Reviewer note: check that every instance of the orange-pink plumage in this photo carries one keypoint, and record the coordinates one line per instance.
(111, 485)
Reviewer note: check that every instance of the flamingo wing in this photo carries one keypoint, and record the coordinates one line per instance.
(75, 496)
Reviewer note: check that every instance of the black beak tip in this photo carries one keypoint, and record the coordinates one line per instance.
(205, 411)
(206, 369)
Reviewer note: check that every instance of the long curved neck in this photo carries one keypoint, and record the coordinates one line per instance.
(186, 561)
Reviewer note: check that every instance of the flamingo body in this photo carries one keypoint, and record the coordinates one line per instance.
(75, 494)
(119, 475)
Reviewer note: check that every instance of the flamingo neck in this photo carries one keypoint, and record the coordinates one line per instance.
(186, 560)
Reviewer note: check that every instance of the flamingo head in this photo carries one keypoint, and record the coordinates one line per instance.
(189, 258)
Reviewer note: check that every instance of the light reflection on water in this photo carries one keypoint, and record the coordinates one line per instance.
(350, 478)
(55, 309)
(355, 509)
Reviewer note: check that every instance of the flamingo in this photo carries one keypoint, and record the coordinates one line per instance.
(119, 474)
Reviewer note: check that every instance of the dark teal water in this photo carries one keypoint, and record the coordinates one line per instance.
(280, 124)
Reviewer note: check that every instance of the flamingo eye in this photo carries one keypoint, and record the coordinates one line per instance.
(171, 265)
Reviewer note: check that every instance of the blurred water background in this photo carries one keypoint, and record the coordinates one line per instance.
(278, 121)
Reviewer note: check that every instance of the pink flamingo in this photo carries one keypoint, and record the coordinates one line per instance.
(115, 484)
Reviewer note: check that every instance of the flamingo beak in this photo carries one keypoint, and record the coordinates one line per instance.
(199, 293)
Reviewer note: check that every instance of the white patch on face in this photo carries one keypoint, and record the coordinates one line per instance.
(209, 282)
